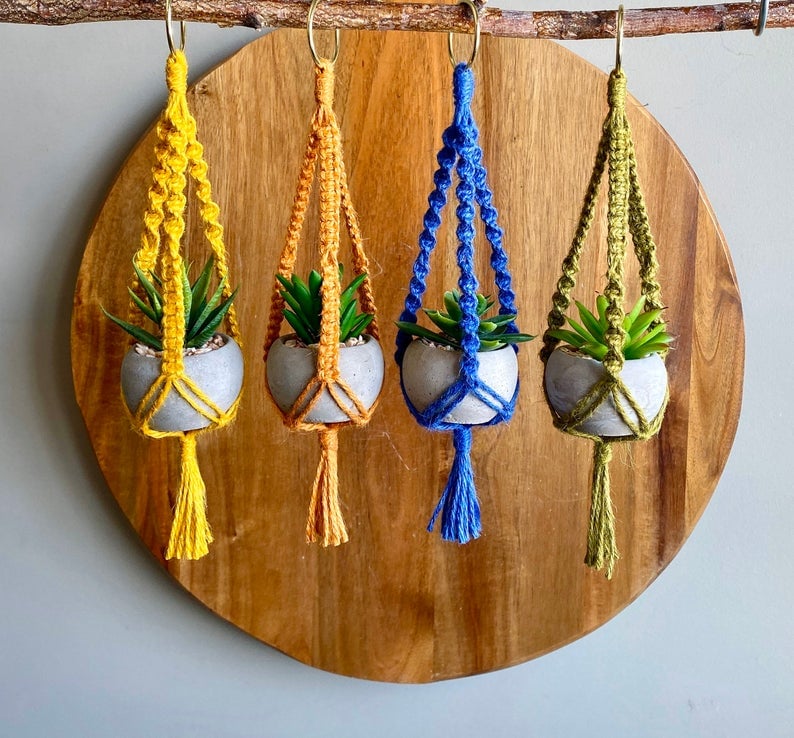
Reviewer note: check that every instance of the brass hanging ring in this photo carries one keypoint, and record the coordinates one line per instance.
(475, 13)
(761, 22)
(169, 35)
(619, 39)
(310, 31)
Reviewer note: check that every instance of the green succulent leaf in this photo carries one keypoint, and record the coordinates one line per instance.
(315, 283)
(349, 292)
(299, 327)
(202, 318)
(628, 322)
(502, 319)
(300, 291)
(452, 304)
(642, 323)
(199, 324)
(360, 324)
(205, 331)
(645, 332)
(445, 323)
(199, 290)
(648, 349)
(590, 322)
(154, 297)
(491, 330)
(581, 330)
(139, 334)
(346, 320)
(305, 302)
(187, 294)
(420, 331)
(144, 308)
(574, 339)
(601, 307)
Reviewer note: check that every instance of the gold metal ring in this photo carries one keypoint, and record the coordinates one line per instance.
(168, 34)
(763, 11)
(475, 13)
(619, 38)
(310, 31)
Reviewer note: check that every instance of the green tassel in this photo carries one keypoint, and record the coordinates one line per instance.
(602, 550)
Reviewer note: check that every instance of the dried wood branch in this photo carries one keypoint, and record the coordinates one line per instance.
(410, 16)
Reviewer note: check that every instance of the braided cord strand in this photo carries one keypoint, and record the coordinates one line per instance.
(458, 507)
(626, 213)
(210, 216)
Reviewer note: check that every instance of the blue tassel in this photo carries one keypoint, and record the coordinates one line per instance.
(459, 507)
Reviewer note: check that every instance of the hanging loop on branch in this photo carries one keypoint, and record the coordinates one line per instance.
(168, 31)
(475, 14)
(318, 60)
(619, 39)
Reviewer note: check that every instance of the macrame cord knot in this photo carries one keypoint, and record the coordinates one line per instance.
(616, 90)
(325, 79)
(176, 73)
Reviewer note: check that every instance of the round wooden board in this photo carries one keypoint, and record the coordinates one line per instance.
(397, 603)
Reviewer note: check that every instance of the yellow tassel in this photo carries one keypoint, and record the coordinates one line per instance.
(602, 550)
(190, 531)
(325, 524)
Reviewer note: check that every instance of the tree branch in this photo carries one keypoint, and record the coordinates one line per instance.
(410, 16)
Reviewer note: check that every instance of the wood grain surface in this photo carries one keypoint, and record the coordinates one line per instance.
(397, 603)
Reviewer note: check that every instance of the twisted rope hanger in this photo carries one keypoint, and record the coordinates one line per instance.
(461, 154)
(626, 214)
(567, 25)
(178, 154)
(325, 522)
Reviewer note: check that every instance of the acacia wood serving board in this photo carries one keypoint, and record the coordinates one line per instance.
(397, 603)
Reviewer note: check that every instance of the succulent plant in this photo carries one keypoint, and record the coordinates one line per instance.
(306, 305)
(641, 339)
(203, 312)
(491, 331)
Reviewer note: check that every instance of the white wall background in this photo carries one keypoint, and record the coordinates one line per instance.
(95, 640)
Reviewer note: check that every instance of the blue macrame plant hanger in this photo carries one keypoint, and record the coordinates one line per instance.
(458, 507)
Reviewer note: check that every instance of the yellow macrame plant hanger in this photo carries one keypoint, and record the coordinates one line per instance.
(323, 153)
(626, 213)
(178, 154)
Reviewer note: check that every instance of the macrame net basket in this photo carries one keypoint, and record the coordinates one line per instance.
(626, 214)
(323, 157)
(178, 154)
(461, 155)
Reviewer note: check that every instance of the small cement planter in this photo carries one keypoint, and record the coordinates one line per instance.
(570, 376)
(291, 368)
(429, 370)
(219, 374)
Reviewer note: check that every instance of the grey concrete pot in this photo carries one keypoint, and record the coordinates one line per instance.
(429, 370)
(570, 376)
(218, 373)
(291, 368)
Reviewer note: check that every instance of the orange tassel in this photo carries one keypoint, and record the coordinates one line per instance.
(325, 524)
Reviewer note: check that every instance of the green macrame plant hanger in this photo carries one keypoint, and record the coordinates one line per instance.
(626, 213)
